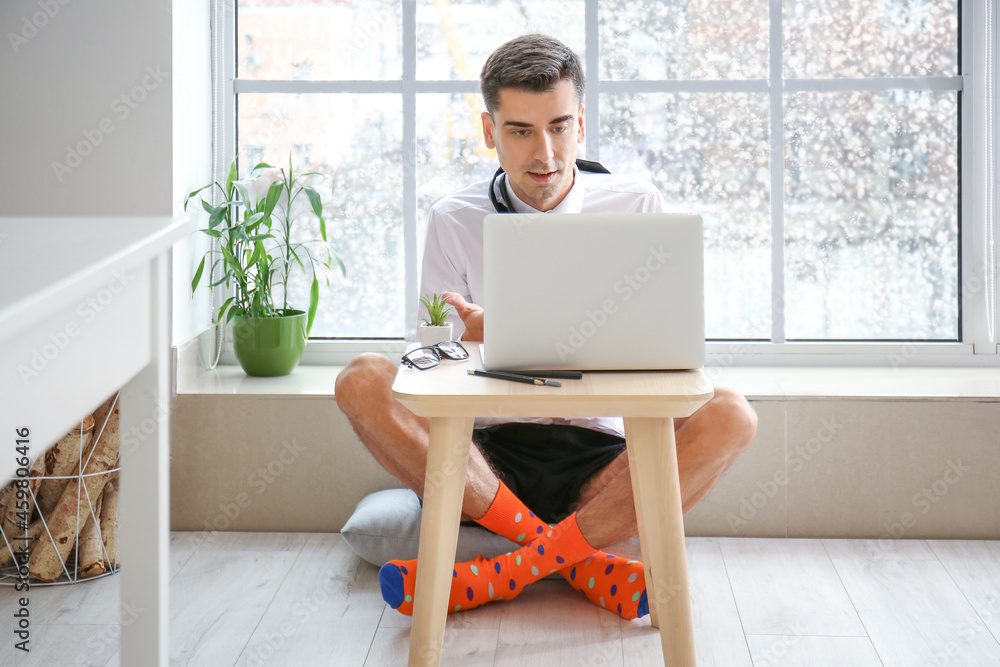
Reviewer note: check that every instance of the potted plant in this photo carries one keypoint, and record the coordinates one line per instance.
(256, 257)
(436, 328)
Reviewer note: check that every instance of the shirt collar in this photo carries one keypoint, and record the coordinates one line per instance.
(571, 203)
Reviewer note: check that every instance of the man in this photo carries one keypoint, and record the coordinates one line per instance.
(559, 487)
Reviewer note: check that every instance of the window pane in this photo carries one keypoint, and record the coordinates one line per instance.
(357, 140)
(455, 38)
(707, 153)
(684, 39)
(450, 150)
(871, 215)
(858, 38)
(319, 39)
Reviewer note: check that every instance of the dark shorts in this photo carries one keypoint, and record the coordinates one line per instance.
(546, 465)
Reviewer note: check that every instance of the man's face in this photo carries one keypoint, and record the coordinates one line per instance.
(536, 136)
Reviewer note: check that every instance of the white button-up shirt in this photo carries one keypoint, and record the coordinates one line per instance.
(453, 253)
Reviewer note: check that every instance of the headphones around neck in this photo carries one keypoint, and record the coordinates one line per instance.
(503, 205)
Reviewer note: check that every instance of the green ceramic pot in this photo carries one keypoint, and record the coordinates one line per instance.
(270, 346)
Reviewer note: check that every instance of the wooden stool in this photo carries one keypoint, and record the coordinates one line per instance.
(648, 401)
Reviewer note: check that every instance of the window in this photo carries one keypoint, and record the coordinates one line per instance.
(820, 140)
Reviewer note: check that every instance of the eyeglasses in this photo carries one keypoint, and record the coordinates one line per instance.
(423, 358)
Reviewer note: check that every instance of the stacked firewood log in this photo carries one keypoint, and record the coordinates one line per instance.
(71, 520)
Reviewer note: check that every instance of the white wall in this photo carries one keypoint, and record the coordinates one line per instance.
(85, 107)
(192, 139)
(105, 109)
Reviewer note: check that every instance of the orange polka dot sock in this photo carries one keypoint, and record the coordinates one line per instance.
(509, 517)
(608, 581)
(483, 580)
(611, 582)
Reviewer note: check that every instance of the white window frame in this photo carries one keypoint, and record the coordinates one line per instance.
(978, 199)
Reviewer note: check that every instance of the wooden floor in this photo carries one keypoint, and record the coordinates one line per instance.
(254, 599)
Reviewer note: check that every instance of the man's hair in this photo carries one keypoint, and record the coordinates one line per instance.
(535, 63)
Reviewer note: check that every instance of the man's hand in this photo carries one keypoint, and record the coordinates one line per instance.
(471, 314)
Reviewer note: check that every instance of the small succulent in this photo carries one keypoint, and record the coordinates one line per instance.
(437, 309)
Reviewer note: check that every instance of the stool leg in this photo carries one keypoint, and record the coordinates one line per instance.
(644, 539)
(444, 486)
(653, 465)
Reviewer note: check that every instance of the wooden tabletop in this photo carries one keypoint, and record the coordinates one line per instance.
(449, 391)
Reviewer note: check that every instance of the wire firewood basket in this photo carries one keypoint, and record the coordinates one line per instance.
(59, 525)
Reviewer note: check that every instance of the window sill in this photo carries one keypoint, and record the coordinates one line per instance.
(759, 383)
(859, 382)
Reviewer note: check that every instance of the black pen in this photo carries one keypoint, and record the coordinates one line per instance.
(514, 377)
(562, 375)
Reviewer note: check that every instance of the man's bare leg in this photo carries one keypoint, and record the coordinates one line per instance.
(708, 443)
(396, 437)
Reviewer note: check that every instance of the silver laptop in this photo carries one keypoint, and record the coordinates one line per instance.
(593, 291)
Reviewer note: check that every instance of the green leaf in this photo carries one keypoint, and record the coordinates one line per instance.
(313, 304)
(259, 256)
(295, 254)
(233, 264)
(241, 190)
(273, 195)
(214, 233)
(340, 263)
(232, 177)
(223, 307)
(215, 265)
(197, 275)
(192, 194)
(315, 200)
(217, 216)
(262, 165)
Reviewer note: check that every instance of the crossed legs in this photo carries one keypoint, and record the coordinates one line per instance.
(707, 444)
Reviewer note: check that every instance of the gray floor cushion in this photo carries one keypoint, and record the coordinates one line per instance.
(386, 526)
